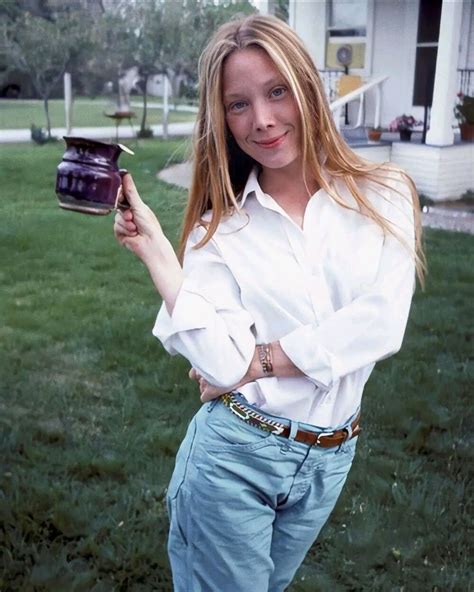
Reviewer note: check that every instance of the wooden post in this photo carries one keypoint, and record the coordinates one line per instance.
(68, 101)
(165, 106)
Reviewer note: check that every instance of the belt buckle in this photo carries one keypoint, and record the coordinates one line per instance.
(322, 435)
(237, 410)
(252, 417)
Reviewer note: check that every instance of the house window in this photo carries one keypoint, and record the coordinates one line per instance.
(429, 20)
(347, 25)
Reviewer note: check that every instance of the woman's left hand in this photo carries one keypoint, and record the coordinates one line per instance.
(208, 391)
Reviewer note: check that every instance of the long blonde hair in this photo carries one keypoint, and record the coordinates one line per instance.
(221, 168)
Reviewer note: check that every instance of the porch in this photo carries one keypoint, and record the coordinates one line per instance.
(411, 56)
(442, 173)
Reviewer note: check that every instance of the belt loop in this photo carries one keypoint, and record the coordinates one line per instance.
(348, 430)
(293, 429)
(212, 404)
(291, 436)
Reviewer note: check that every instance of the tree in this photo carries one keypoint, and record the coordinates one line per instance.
(281, 9)
(148, 52)
(188, 27)
(44, 48)
(115, 41)
(169, 37)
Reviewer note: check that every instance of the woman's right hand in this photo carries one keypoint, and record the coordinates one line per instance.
(137, 227)
(208, 391)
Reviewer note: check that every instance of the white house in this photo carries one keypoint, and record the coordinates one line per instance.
(425, 50)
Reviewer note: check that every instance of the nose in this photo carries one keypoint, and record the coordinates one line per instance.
(263, 116)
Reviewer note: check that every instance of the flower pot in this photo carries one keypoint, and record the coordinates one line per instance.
(405, 135)
(467, 132)
(374, 135)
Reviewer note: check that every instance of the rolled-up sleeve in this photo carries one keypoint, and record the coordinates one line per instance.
(208, 325)
(372, 326)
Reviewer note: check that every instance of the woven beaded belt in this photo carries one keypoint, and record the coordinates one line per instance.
(321, 439)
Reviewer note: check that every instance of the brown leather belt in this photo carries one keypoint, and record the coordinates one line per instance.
(320, 439)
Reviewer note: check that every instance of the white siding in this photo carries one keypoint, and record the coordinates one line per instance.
(470, 42)
(374, 153)
(308, 18)
(440, 173)
(394, 52)
(466, 49)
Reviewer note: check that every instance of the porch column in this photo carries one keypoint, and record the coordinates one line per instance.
(441, 132)
(308, 19)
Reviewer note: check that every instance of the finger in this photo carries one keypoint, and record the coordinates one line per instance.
(130, 191)
(118, 216)
(193, 374)
(127, 214)
(124, 220)
(208, 396)
(125, 229)
(126, 224)
(123, 216)
(131, 226)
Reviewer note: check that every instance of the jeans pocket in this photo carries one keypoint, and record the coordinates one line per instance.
(182, 461)
(176, 534)
(345, 450)
(226, 432)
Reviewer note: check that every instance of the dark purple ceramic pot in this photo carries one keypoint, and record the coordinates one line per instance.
(88, 178)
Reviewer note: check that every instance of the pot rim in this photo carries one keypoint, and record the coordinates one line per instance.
(93, 142)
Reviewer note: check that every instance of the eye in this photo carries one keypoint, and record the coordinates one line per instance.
(237, 106)
(279, 91)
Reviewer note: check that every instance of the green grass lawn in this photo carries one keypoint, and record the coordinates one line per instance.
(93, 410)
(17, 114)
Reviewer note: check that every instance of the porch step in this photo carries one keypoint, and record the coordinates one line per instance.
(374, 151)
(353, 136)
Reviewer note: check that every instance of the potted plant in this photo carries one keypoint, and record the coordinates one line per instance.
(404, 124)
(374, 133)
(464, 112)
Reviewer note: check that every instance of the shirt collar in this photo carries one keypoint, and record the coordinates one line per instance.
(253, 186)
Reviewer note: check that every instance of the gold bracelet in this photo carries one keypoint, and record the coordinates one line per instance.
(265, 358)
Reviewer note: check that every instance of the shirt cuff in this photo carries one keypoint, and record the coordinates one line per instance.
(191, 311)
(312, 360)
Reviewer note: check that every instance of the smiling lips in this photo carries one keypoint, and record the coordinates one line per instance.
(272, 143)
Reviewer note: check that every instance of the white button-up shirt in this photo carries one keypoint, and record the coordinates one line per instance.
(335, 293)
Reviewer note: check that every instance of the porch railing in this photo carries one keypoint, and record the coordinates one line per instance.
(330, 78)
(466, 81)
(359, 95)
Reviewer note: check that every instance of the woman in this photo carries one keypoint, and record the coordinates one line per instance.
(298, 273)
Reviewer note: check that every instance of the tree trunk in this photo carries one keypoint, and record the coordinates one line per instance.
(48, 120)
(145, 101)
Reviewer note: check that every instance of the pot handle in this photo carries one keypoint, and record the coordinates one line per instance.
(122, 202)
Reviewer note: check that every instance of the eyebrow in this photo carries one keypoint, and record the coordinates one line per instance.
(268, 83)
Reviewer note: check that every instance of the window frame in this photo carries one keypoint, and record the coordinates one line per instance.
(366, 71)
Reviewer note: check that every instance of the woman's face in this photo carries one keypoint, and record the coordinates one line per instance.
(260, 109)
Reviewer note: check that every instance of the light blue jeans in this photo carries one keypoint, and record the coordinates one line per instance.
(245, 505)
